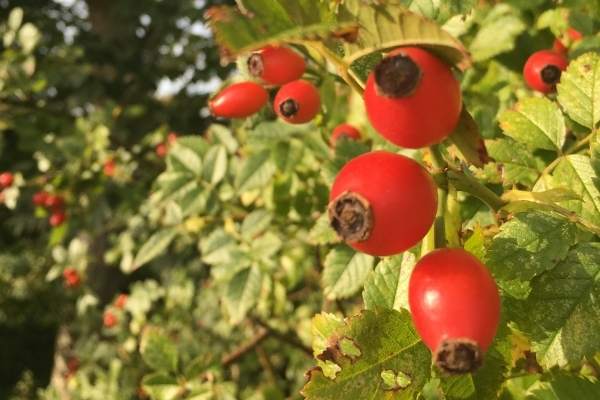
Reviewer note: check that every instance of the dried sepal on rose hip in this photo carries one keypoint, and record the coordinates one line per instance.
(382, 203)
(344, 131)
(412, 98)
(297, 102)
(455, 307)
(543, 70)
(276, 65)
(239, 100)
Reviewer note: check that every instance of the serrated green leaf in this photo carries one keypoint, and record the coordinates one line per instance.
(387, 286)
(185, 159)
(255, 172)
(219, 248)
(215, 164)
(154, 246)
(468, 141)
(519, 165)
(29, 36)
(387, 342)
(390, 25)
(223, 135)
(576, 173)
(572, 329)
(498, 33)
(268, 21)
(158, 351)
(562, 386)
(255, 223)
(160, 386)
(242, 293)
(579, 90)
(526, 246)
(322, 232)
(345, 272)
(536, 122)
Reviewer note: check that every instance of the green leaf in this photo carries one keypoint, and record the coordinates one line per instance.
(158, 351)
(526, 246)
(255, 172)
(560, 316)
(389, 25)
(154, 246)
(579, 90)
(255, 223)
(387, 341)
(519, 165)
(322, 232)
(161, 387)
(29, 36)
(268, 21)
(537, 122)
(387, 286)
(224, 136)
(575, 172)
(565, 387)
(468, 141)
(344, 272)
(242, 293)
(15, 18)
(219, 248)
(185, 159)
(498, 33)
(215, 164)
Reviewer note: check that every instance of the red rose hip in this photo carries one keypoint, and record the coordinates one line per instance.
(412, 98)
(109, 319)
(344, 130)
(57, 218)
(382, 203)
(239, 100)
(455, 306)
(543, 69)
(297, 102)
(39, 198)
(276, 65)
(6, 179)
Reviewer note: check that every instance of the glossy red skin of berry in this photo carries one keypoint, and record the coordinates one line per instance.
(57, 218)
(424, 117)
(402, 195)
(306, 96)
(71, 277)
(536, 63)
(280, 65)
(345, 130)
(121, 301)
(6, 179)
(39, 198)
(161, 150)
(452, 295)
(109, 319)
(54, 202)
(574, 36)
(239, 100)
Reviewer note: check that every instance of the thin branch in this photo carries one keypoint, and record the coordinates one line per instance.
(245, 348)
(289, 338)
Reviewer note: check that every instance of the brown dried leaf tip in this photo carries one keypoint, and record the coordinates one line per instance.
(351, 216)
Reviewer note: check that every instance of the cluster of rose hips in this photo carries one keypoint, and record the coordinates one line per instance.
(543, 68)
(382, 203)
(163, 148)
(54, 203)
(109, 319)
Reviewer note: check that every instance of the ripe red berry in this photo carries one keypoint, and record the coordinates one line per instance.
(71, 277)
(57, 218)
(54, 202)
(109, 319)
(382, 203)
(276, 65)
(412, 98)
(121, 300)
(573, 36)
(543, 69)
(455, 306)
(6, 179)
(297, 102)
(239, 100)
(161, 150)
(109, 167)
(344, 130)
(39, 198)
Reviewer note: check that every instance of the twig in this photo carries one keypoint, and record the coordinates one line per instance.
(290, 339)
(245, 348)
